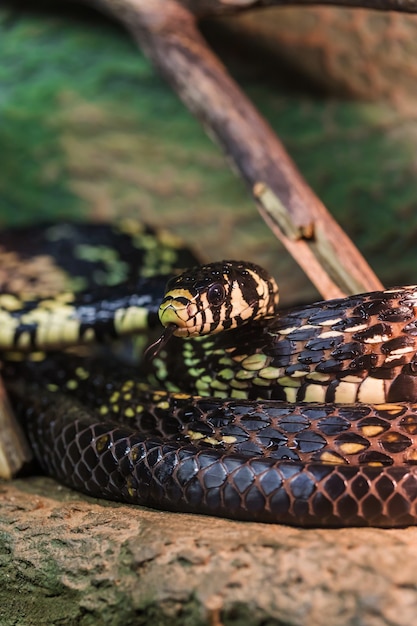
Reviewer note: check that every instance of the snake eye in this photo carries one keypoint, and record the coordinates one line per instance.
(216, 294)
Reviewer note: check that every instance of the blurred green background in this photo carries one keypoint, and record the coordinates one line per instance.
(89, 129)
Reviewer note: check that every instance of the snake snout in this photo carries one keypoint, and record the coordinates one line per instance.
(180, 313)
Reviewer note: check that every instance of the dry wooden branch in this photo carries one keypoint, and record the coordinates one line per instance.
(206, 8)
(14, 449)
(172, 41)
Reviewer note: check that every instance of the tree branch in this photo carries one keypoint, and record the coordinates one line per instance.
(207, 8)
(14, 448)
(170, 38)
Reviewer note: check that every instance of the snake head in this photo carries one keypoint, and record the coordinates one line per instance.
(218, 296)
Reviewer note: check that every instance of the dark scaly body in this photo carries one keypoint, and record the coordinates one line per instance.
(253, 460)
(308, 464)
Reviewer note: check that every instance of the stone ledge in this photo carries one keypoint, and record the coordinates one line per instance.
(67, 559)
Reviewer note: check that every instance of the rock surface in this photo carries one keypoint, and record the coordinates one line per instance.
(67, 559)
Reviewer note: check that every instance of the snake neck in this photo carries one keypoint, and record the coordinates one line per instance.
(356, 349)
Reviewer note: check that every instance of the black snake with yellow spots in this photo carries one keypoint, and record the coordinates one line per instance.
(305, 417)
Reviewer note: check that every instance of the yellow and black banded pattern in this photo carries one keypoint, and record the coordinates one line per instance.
(69, 283)
(217, 297)
(356, 349)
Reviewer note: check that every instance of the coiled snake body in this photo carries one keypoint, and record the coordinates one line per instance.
(305, 417)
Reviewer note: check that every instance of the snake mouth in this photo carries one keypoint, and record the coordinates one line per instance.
(175, 325)
(179, 308)
(179, 317)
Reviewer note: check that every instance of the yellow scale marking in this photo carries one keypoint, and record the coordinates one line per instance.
(239, 384)
(134, 454)
(371, 431)
(291, 394)
(255, 362)
(36, 357)
(315, 393)
(182, 396)
(391, 408)
(330, 322)
(10, 302)
(24, 340)
(261, 382)
(130, 320)
(82, 373)
(245, 375)
(238, 395)
(227, 374)
(270, 373)
(195, 436)
(331, 458)
(102, 442)
(372, 390)
(130, 486)
(411, 455)
(346, 392)
(229, 439)
(163, 405)
(328, 334)
(287, 331)
(392, 437)
(352, 448)
(212, 441)
(288, 381)
(322, 378)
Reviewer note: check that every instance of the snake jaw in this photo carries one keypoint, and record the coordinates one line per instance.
(181, 317)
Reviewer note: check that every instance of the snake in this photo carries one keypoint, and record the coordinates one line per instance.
(306, 416)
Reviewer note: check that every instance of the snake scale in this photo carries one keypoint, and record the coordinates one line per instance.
(305, 417)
